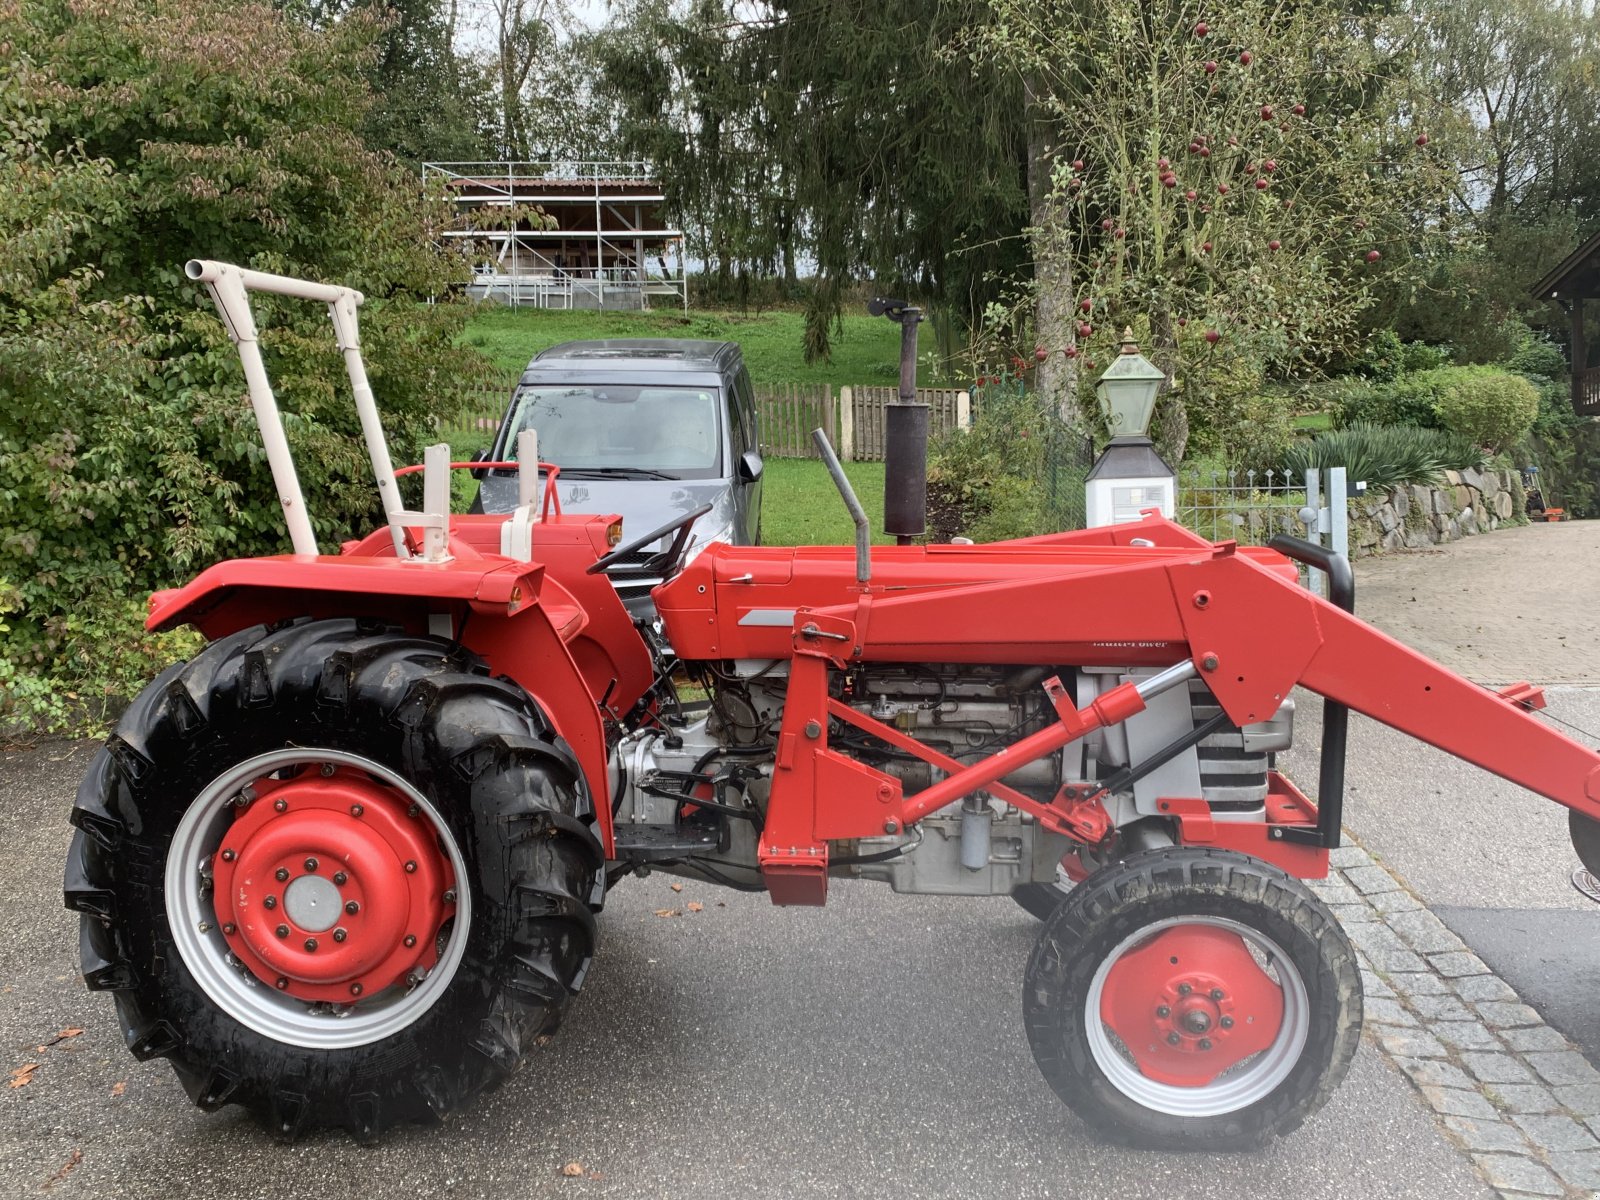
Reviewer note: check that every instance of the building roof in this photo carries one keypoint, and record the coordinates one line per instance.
(1576, 276)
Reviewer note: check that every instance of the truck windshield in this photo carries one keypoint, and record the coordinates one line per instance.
(668, 431)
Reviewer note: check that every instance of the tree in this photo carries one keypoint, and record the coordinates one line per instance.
(135, 134)
(840, 133)
(1240, 174)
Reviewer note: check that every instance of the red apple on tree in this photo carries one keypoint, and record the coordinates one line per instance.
(1266, 112)
(1085, 305)
(1422, 139)
(1201, 29)
(1213, 336)
(1085, 329)
(1191, 194)
(1373, 256)
(1244, 58)
(1211, 66)
(1262, 184)
(1222, 189)
(1274, 244)
(1077, 164)
(1299, 110)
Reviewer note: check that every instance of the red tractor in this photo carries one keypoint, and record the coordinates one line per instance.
(344, 867)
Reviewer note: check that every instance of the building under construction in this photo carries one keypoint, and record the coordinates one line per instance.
(564, 235)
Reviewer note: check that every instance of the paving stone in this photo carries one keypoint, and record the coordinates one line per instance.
(1349, 856)
(1486, 1135)
(1563, 1066)
(1418, 983)
(1523, 1098)
(1425, 932)
(1374, 988)
(1511, 1173)
(1458, 1102)
(1380, 1011)
(1495, 1068)
(1434, 1072)
(1375, 935)
(1478, 988)
(1581, 1169)
(1556, 1133)
(1410, 1043)
(1540, 1037)
(1334, 891)
(1464, 1035)
(1580, 1098)
(1353, 914)
(1391, 962)
(1504, 1014)
(1440, 1008)
(1371, 880)
(1457, 964)
(1394, 902)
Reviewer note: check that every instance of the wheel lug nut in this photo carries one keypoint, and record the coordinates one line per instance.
(450, 896)
(356, 810)
(311, 864)
(1216, 993)
(328, 769)
(1184, 989)
(283, 982)
(311, 945)
(228, 856)
(339, 935)
(1173, 1039)
(280, 805)
(230, 929)
(269, 902)
(1163, 1011)
(281, 874)
(411, 939)
(1205, 1043)
(340, 878)
(414, 810)
(411, 866)
(355, 989)
(351, 907)
(282, 931)
(1226, 1022)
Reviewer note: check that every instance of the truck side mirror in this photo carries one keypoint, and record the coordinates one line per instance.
(480, 456)
(750, 466)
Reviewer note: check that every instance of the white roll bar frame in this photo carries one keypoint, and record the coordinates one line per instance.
(230, 287)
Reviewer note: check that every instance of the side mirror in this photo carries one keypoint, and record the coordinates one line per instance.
(750, 466)
(481, 456)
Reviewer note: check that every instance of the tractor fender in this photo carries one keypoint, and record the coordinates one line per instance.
(519, 620)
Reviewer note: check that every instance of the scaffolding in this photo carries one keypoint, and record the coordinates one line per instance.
(602, 242)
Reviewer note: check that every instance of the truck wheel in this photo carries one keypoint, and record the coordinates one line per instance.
(336, 874)
(1192, 999)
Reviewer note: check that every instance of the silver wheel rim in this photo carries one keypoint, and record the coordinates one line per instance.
(230, 986)
(1251, 1081)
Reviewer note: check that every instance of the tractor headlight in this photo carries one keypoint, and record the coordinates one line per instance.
(614, 533)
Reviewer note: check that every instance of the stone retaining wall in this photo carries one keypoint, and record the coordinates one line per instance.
(1415, 517)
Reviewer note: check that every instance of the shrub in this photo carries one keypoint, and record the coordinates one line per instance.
(1492, 407)
(1405, 400)
(1385, 456)
(1538, 356)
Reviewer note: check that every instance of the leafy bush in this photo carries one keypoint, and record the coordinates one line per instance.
(1410, 400)
(1492, 407)
(1538, 356)
(1385, 456)
(1387, 358)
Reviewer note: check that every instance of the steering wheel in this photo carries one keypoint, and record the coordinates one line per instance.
(658, 564)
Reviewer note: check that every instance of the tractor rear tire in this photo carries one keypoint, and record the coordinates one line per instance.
(1190, 998)
(476, 837)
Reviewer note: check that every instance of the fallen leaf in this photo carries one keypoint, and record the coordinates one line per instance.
(572, 1170)
(66, 1169)
(23, 1075)
(70, 1031)
(118, 1088)
(669, 912)
(694, 906)
(60, 1037)
(677, 887)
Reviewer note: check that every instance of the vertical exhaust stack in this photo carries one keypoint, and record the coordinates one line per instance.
(905, 451)
(857, 513)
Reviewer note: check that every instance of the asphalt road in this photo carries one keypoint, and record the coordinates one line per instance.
(871, 1048)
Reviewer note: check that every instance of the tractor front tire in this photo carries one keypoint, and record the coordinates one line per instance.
(1190, 998)
(336, 874)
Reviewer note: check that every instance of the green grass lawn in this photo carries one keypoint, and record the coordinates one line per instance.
(866, 351)
(801, 507)
(1316, 422)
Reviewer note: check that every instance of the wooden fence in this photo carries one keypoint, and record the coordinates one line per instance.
(947, 408)
(852, 417)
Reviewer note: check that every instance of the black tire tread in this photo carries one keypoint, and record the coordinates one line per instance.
(1149, 886)
(426, 708)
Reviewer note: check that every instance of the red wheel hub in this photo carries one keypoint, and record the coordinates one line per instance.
(333, 887)
(1190, 1003)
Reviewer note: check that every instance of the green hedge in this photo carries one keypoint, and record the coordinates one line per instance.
(1492, 406)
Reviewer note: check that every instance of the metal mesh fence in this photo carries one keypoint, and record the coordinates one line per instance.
(1245, 506)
